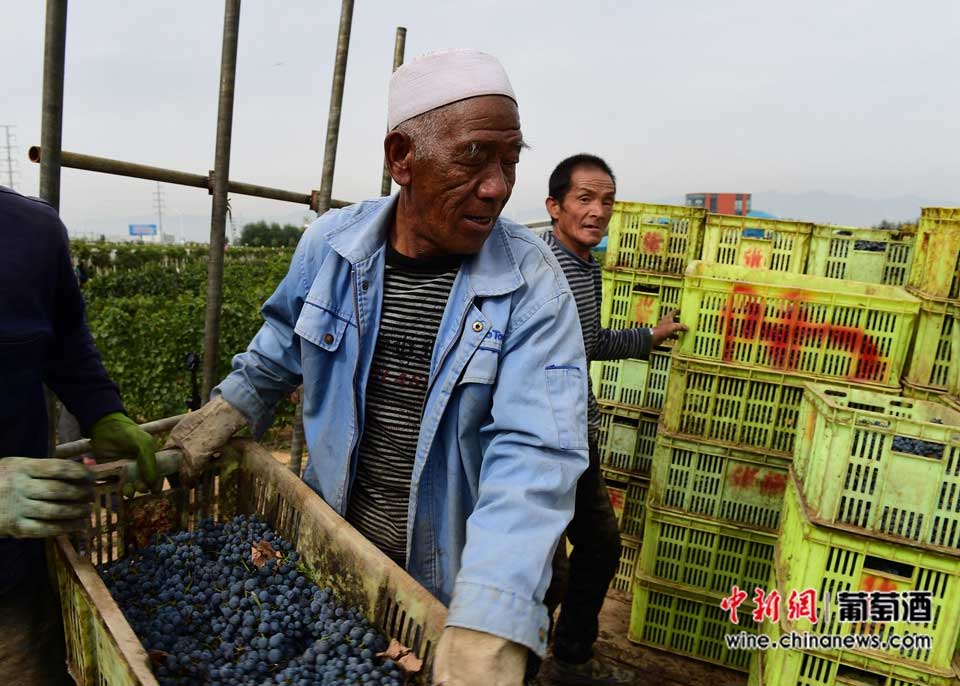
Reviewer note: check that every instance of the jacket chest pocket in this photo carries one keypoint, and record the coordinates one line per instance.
(320, 326)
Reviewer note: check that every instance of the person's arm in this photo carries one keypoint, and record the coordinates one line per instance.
(535, 449)
(269, 369)
(73, 369)
(616, 344)
(636, 343)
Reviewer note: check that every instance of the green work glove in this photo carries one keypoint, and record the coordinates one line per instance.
(116, 435)
(42, 498)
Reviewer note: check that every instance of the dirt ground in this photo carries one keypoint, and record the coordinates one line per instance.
(654, 666)
(651, 666)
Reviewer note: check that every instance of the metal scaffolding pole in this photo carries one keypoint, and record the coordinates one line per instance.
(228, 75)
(106, 165)
(399, 46)
(51, 127)
(326, 185)
(51, 134)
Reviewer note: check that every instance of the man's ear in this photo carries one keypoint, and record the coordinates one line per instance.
(553, 208)
(398, 152)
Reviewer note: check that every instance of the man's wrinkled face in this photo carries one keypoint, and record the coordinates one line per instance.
(583, 214)
(461, 188)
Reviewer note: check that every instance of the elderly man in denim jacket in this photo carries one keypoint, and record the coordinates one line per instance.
(444, 374)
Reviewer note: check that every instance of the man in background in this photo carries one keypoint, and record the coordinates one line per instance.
(582, 189)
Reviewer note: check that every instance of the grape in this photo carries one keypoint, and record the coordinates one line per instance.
(217, 620)
(917, 446)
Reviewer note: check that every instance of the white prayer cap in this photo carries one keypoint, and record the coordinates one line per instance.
(441, 78)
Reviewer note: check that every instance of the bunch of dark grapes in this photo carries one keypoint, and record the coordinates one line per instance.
(208, 615)
(870, 246)
(918, 446)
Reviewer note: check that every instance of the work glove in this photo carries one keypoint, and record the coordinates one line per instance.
(667, 327)
(202, 433)
(117, 436)
(43, 497)
(474, 658)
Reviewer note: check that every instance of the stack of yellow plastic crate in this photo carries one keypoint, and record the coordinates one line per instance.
(648, 248)
(933, 372)
(759, 329)
(871, 525)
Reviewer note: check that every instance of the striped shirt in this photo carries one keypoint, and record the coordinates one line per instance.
(415, 293)
(598, 343)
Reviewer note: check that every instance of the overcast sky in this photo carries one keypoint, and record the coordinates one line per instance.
(847, 97)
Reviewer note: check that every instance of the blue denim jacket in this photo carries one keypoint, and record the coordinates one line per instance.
(504, 433)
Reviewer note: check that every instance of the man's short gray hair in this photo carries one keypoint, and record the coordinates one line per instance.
(424, 131)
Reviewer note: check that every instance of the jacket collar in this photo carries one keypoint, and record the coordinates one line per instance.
(492, 271)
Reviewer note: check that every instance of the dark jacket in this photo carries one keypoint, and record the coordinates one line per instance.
(43, 340)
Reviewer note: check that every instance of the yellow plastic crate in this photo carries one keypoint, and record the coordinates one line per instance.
(731, 486)
(813, 668)
(813, 326)
(633, 300)
(936, 264)
(917, 392)
(887, 465)
(755, 243)
(830, 560)
(629, 552)
(703, 554)
(633, 383)
(618, 499)
(626, 439)
(102, 649)
(880, 256)
(934, 359)
(724, 404)
(654, 238)
(686, 622)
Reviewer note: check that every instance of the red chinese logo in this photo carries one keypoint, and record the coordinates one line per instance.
(768, 605)
(802, 605)
(644, 310)
(652, 242)
(753, 258)
(731, 603)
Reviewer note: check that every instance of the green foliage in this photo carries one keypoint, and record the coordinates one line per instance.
(147, 315)
(262, 234)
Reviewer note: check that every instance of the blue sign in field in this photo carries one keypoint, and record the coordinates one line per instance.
(143, 229)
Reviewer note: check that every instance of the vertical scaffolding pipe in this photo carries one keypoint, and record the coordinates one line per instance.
(221, 178)
(398, 49)
(326, 186)
(51, 125)
(51, 136)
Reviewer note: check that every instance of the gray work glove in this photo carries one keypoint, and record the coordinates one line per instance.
(474, 658)
(202, 433)
(40, 498)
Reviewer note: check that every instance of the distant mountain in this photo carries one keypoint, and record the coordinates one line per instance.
(832, 208)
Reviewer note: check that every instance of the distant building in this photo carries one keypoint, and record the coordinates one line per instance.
(721, 203)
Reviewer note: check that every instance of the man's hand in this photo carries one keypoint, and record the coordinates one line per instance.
(43, 498)
(116, 436)
(202, 433)
(667, 327)
(473, 658)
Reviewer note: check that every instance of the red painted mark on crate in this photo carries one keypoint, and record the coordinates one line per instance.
(644, 310)
(744, 476)
(868, 583)
(652, 242)
(753, 258)
(787, 331)
(773, 483)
